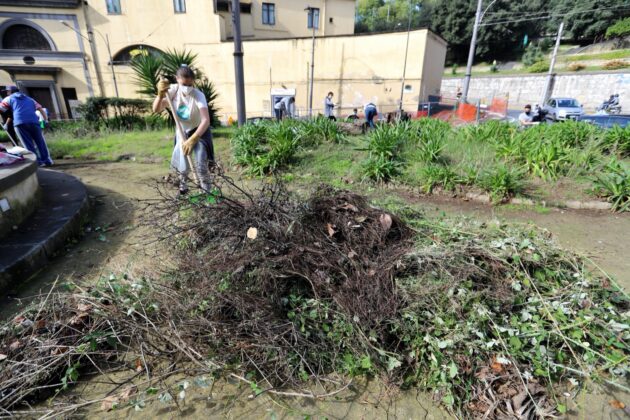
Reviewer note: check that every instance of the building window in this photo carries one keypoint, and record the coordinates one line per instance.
(124, 56)
(113, 7)
(24, 37)
(313, 18)
(268, 14)
(180, 6)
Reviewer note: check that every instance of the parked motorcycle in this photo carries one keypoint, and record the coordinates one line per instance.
(540, 114)
(610, 106)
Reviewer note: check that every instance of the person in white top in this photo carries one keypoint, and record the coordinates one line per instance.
(526, 117)
(192, 109)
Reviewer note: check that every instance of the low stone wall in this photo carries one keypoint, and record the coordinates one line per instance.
(588, 88)
(19, 193)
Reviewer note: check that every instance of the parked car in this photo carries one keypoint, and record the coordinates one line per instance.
(606, 121)
(561, 109)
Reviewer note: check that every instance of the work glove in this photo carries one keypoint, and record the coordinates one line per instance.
(190, 144)
(162, 87)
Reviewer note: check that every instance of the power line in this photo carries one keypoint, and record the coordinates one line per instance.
(552, 16)
(542, 12)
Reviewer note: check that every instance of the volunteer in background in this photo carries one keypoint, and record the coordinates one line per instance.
(191, 107)
(526, 117)
(329, 107)
(370, 114)
(26, 123)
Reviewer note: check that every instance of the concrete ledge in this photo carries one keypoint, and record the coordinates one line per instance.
(28, 249)
(19, 191)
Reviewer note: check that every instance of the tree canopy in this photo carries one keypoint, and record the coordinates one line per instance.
(506, 23)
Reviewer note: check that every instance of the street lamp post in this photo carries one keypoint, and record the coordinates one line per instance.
(90, 39)
(239, 74)
(404, 75)
(473, 44)
(310, 94)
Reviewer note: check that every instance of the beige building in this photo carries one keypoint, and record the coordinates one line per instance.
(58, 51)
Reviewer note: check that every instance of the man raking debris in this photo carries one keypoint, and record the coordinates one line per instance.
(189, 108)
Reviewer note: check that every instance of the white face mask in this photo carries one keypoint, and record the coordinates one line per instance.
(186, 90)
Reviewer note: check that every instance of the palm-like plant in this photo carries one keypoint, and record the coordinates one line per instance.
(148, 69)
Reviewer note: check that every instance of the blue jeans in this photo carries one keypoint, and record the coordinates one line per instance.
(370, 113)
(32, 138)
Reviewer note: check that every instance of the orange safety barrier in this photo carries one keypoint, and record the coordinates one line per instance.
(498, 106)
(466, 112)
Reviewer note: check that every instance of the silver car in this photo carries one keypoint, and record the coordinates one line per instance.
(561, 109)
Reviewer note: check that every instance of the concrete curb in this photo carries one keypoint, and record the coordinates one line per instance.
(571, 204)
(30, 248)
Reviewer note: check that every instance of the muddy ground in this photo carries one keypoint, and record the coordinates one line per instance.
(113, 243)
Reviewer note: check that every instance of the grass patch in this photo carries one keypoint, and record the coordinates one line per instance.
(113, 146)
(609, 55)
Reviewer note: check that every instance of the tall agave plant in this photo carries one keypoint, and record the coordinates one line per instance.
(148, 69)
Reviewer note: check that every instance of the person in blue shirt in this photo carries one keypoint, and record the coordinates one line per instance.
(26, 123)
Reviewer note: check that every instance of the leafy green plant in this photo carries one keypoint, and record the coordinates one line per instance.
(438, 176)
(148, 69)
(385, 146)
(533, 54)
(501, 182)
(613, 183)
(538, 67)
(317, 130)
(265, 148)
(617, 140)
(619, 29)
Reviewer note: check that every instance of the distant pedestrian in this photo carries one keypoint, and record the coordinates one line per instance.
(370, 113)
(354, 116)
(526, 117)
(329, 107)
(284, 107)
(26, 123)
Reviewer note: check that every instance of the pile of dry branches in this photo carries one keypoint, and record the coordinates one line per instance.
(296, 296)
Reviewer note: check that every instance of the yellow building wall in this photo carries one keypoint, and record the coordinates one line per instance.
(291, 18)
(77, 68)
(357, 69)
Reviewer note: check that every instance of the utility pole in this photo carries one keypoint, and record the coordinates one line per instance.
(471, 52)
(404, 75)
(239, 77)
(310, 94)
(111, 64)
(551, 65)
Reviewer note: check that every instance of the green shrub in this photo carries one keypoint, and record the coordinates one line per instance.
(617, 140)
(381, 169)
(265, 148)
(619, 29)
(533, 53)
(434, 176)
(488, 132)
(385, 147)
(320, 130)
(613, 183)
(426, 139)
(615, 65)
(538, 67)
(114, 113)
(501, 182)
